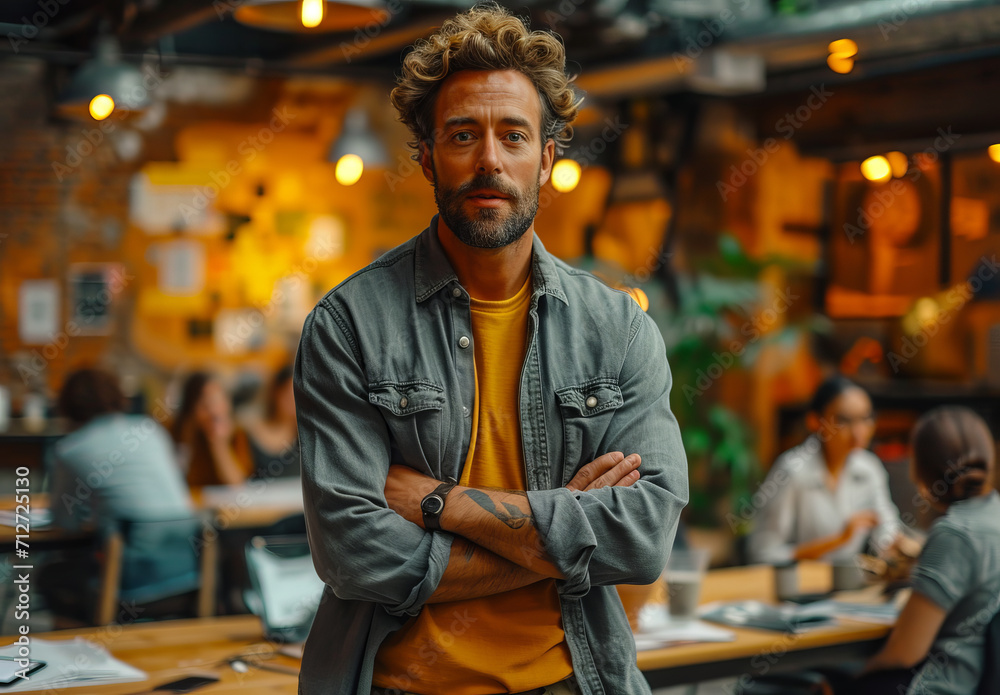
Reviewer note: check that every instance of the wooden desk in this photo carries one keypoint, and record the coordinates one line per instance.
(46, 538)
(255, 504)
(171, 650)
(759, 652)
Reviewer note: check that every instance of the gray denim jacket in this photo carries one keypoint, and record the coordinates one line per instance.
(382, 377)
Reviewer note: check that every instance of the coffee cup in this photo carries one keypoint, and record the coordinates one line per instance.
(786, 580)
(684, 573)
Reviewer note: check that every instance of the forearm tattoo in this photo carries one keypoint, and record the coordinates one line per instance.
(511, 515)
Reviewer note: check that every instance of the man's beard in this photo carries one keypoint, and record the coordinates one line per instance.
(487, 228)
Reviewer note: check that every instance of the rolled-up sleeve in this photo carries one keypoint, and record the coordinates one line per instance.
(617, 535)
(360, 547)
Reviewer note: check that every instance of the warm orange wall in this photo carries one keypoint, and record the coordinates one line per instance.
(271, 193)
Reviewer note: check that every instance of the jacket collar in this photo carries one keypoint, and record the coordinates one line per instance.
(433, 271)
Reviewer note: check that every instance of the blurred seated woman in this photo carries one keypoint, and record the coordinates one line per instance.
(938, 642)
(210, 448)
(112, 467)
(825, 497)
(273, 439)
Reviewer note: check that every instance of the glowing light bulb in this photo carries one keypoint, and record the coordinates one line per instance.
(565, 175)
(349, 169)
(101, 107)
(994, 152)
(842, 53)
(876, 168)
(312, 13)
(899, 163)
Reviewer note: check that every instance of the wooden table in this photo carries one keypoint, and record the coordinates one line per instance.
(759, 652)
(255, 504)
(44, 538)
(171, 650)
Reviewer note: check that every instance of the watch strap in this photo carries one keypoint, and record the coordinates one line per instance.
(432, 522)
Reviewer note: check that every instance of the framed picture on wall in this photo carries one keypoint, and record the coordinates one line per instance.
(92, 291)
(884, 243)
(38, 311)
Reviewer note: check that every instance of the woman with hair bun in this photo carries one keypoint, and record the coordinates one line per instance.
(938, 644)
(825, 497)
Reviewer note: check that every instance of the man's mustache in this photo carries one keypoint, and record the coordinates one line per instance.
(490, 181)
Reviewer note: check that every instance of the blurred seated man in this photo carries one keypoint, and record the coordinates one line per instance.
(112, 467)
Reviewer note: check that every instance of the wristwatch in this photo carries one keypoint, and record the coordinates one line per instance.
(433, 504)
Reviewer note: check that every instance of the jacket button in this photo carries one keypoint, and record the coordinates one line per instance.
(403, 402)
(592, 402)
(463, 342)
(456, 293)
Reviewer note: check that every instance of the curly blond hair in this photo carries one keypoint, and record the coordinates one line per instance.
(487, 37)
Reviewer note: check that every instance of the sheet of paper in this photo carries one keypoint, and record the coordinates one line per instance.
(656, 630)
(71, 663)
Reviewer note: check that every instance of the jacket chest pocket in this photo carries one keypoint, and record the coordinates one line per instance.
(586, 410)
(414, 413)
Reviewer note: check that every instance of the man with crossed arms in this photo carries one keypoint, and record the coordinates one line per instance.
(466, 404)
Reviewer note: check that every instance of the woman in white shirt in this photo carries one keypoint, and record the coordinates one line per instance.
(825, 497)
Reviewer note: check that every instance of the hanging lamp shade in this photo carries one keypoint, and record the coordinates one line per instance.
(104, 74)
(358, 139)
(286, 15)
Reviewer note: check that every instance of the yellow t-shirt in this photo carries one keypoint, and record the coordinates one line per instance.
(506, 642)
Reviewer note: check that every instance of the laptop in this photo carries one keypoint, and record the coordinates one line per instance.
(285, 589)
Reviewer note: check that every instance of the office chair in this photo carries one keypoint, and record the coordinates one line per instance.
(989, 683)
(165, 567)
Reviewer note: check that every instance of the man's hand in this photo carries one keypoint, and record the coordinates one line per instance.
(613, 469)
(404, 489)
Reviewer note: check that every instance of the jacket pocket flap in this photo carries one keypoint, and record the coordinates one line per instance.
(406, 397)
(591, 398)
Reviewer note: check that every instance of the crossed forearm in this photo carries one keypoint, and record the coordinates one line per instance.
(501, 522)
(497, 546)
(474, 572)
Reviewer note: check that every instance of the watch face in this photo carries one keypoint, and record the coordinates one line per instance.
(432, 504)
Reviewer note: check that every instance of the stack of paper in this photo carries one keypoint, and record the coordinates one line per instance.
(70, 663)
(881, 613)
(787, 617)
(656, 629)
